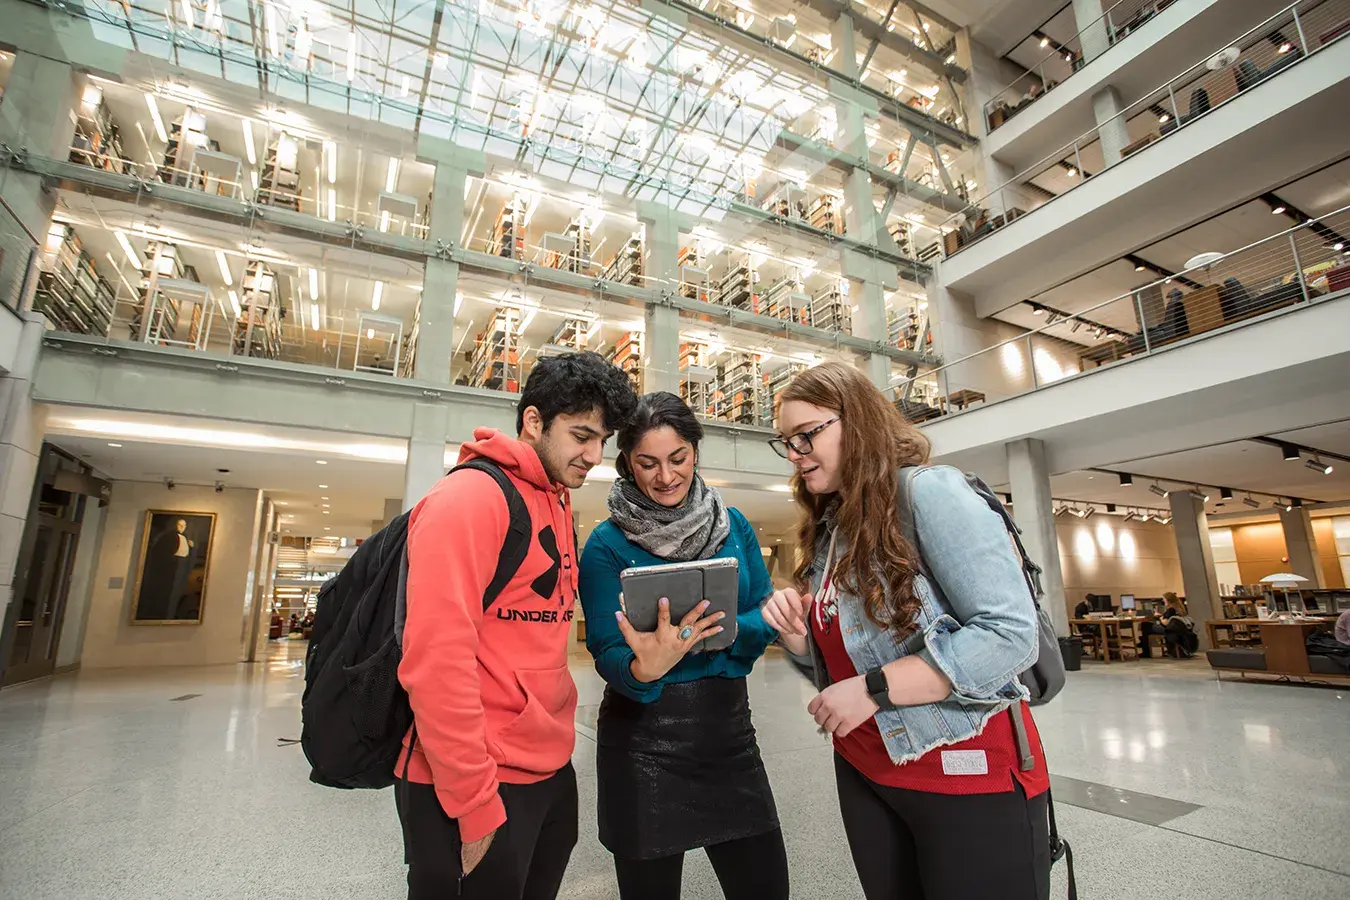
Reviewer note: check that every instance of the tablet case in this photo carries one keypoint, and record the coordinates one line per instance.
(686, 585)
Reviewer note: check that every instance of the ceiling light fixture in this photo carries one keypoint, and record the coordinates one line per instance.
(370, 334)
(1290, 452)
(1130, 516)
(1038, 310)
(1145, 516)
(270, 23)
(1277, 210)
(1286, 47)
(323, 487)
(1159, 490)
(330, 157)
(332, 204)
(1225, 493)
(1318, 466)
(249, 150)
(1296, 503)
(1164, 118)
(1251, 501)
(1338, 246)
(1164, 519)
(1139, 268)
(1060, 510)
(186, 7)
(224, 267)
(1126, 479)
(1198, 494)
(314, 284)
(376, 295)
(1045, 42)
(391, 176)
(234, 304)
(314, 315)
(115, 445)
(156, 119)
(351, 55)
(1073, 173)
(130, 251)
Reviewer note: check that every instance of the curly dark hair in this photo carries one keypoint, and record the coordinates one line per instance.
(577, 383)
(659, 409)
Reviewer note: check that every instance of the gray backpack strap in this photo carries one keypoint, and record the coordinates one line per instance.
(904, 507)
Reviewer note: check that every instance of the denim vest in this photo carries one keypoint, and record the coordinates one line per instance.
(977, 623)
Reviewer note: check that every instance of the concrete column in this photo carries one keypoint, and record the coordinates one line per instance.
(255, 606)
(1092, 27)
(393, 507)
(1191, 527)
(661, 340)
(1106, 107)
(426, 452)
(1033, 509)
(440, 280)
(22, 424)
(1300, 545)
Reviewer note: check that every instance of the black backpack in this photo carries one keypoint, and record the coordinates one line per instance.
(354, 711)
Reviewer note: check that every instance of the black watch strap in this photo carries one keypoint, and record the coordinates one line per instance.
(879, 688)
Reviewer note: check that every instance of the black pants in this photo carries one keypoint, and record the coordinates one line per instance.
(752, 868)
(911, 845)
(528, 855)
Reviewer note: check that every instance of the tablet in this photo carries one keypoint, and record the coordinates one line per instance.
(686, 585)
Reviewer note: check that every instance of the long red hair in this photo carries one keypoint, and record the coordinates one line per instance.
(878, 565)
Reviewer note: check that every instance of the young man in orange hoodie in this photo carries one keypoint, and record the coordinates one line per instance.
(489, 807)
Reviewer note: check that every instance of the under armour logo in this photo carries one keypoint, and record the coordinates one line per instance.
(547, 583)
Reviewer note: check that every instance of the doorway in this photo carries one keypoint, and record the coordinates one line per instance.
(43, 570)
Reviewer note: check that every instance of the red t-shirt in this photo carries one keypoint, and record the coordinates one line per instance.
(984, 764)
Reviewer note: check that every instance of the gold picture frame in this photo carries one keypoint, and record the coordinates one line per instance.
(171, 570)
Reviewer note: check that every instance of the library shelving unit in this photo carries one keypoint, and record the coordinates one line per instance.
(166, 269)
(695, 281)
(774, 384)
(508, 233)
(737, 287)
(626, 267)
(627, 355)
(186, 134)
(70, 291)
(280, 181)
(257, 331)
(787, 299)
(98, 140)
(907, 328)
(824, 214)
(830, 310)
(495, 364)
(570, 336)
(407, 364)
(736, 395)
(571, 250)
(786, 200)
(696, 378)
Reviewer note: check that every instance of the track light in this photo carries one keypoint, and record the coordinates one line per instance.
(1045, 42)
(1290, 452)
(1060, 510)
(1280, 504)
(1277, 210)
(1285, 47)
(1318, 466)
(1296, 503)
(1146, 516)
(1130, 516)
(1140, 267)
(1164, 118)
(1126, 479)
(1038, 310)
(1198, 494)
(1250, 501)
(1225, 493)
(1164, 519)
(1159, 490)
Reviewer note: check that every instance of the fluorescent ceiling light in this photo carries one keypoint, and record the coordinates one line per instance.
(459, 301)
(270, 18)
(224, 267)
(1164, 118)
(330, 156)
(351, 55)
(332, 204)
(384, 220)
(247, 125)
(303, 42)
(314, 315)
(1277, 210)
(253, 177)
(128, 249)
(370, 334)
(314, 284)
(529, 317)
(234, 304)
(376, 295)
(156, 119)
(391, 177)
(186, 7)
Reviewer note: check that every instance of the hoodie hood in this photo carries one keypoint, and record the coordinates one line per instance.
(512, 454)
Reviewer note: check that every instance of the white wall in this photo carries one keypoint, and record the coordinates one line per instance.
(1106, 555)
(110, 639)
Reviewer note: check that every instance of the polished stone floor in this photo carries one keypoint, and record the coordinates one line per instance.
(172, 784)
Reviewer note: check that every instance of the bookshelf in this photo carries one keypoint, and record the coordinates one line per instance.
(736, 394)
(824, 214)
(627, 265)
(70, 291)
(279, 184)
(571, 250)
(257, 331)
(787, 299)
(186, 134)
(166, 266)
(774, 384)
(627, 355)
(495, 364)
(696, 377)
(570, 336)
(98, 140)
(407, 364)
(695, 281)
(736, 288)
(786, 200)
(830, 309)
(508, 232)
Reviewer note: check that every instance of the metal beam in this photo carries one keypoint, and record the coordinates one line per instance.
(872, 48)
(876, 31)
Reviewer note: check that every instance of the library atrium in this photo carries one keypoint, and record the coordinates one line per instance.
(264, 268)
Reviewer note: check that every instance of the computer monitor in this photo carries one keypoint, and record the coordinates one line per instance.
(1127, 601)
(1310, 603)
(1101, 603)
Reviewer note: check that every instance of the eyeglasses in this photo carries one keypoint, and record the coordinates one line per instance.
(800, 442)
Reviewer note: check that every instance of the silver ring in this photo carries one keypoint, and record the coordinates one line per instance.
(686, 632)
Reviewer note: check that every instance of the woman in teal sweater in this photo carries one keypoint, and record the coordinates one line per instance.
(678, 764)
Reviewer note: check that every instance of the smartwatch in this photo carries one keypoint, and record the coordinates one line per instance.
(879, 688)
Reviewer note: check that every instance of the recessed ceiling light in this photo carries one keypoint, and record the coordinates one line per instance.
(325, 506)
(326, 528)
(323, 498)
(111, 444)
(322, 462)
(326, 512)
(323, 487)
(281, 503)
(1277, 210)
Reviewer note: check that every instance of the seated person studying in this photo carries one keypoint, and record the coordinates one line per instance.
(678, 762)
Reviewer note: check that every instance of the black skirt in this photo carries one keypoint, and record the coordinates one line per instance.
(682, 772)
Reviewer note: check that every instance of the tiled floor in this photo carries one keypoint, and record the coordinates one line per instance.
(110, 788)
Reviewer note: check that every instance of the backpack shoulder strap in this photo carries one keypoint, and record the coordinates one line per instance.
(904, 507)
(518, 533)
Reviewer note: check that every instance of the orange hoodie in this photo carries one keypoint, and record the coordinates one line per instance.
(491, 695)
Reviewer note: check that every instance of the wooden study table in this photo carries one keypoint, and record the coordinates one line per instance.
(1108, 624)
(1283, 640)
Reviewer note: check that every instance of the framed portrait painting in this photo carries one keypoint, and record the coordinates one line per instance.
(171, 571)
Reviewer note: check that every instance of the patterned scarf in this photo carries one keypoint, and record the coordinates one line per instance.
(696, 529)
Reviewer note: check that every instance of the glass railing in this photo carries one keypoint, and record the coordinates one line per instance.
(1063, 60)
(1277, 44)
(18, 247)
(1302, 265)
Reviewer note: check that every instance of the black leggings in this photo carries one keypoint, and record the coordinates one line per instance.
(753, 868)
(912, 845)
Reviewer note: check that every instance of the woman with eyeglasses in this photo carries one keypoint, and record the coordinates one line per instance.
(677, 761)
(917, 672)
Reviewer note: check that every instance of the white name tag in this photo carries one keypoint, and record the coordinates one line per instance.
(964, 762)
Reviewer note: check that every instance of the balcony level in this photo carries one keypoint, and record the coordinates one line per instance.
(1271, 132)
